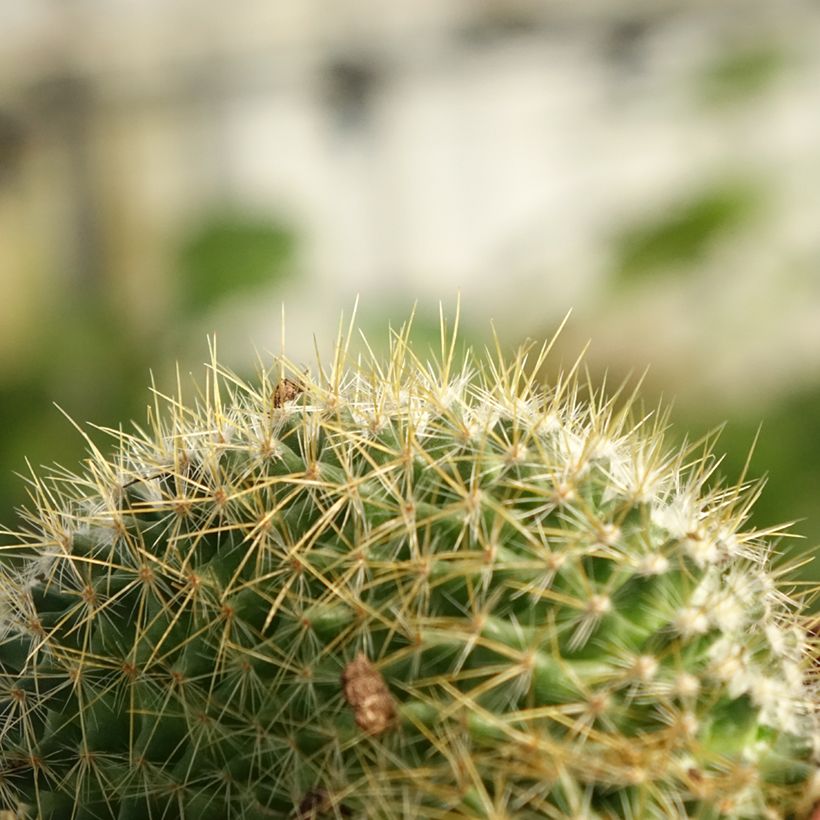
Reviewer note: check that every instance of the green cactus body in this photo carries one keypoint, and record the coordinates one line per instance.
(400, 590)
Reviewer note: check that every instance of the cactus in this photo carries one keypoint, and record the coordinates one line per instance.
(400, 589)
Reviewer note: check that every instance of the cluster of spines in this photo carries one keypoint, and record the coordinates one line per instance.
(398, 590)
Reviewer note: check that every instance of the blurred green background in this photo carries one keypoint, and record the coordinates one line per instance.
(653, 166)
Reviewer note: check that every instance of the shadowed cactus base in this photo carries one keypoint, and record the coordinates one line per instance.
(400, 590)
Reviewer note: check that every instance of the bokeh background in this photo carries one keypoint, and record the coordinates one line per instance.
(171, 169)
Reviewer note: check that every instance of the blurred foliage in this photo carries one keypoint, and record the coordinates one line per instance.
(741, 73)
(230, 253)
(82, 362)
(683, 233)
(96, 367)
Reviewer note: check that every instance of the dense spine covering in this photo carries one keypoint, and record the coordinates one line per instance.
(399, 590)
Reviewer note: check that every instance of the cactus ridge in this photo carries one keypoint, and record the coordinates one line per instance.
(400, 589)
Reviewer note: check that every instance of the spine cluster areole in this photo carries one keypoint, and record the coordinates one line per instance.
(400, 588)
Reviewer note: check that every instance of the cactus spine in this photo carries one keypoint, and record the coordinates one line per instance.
(399, 590)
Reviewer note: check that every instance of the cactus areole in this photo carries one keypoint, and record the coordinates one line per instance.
(399, 588)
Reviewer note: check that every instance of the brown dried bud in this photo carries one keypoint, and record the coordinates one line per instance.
(317, 803)
(286, 390)
(365, 690)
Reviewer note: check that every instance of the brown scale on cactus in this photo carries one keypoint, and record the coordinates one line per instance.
(364, 689)
(405, 589)
(285, 391)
